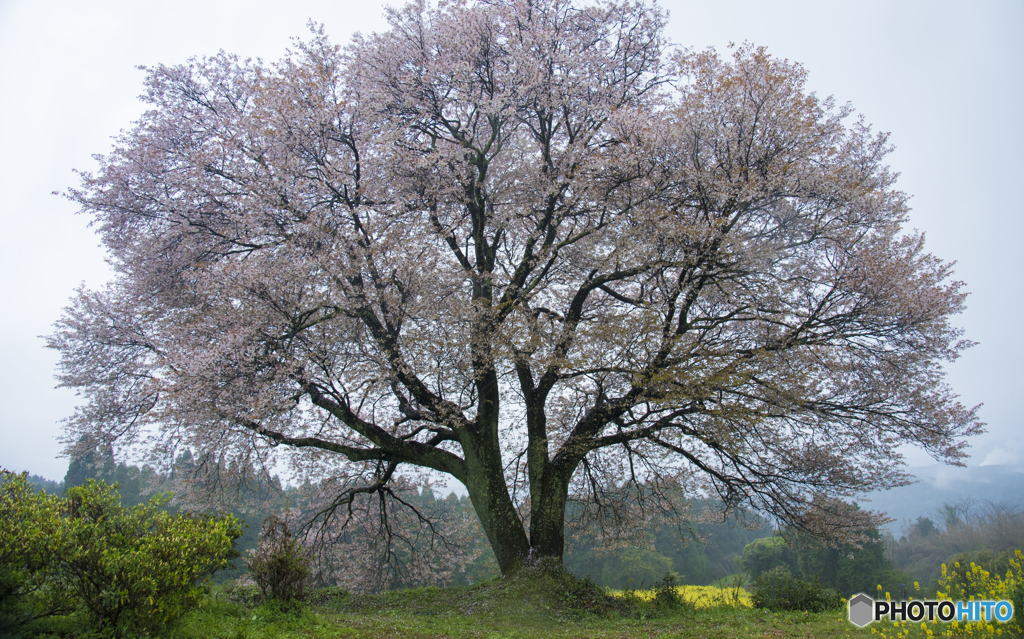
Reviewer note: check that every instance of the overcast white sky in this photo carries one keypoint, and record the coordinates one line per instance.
(945, 78)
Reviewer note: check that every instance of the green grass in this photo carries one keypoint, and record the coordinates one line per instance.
(523, 607)
(217, 621)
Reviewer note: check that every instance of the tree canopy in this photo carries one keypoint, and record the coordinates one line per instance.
(530, 246)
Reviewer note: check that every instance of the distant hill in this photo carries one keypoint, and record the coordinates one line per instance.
(941, 484)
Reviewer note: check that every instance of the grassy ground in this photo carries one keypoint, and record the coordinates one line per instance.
(528, 607)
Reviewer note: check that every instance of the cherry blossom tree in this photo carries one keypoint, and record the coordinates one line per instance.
(527, 245)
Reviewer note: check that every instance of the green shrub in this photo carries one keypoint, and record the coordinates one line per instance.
(578, 595)
(279, 565)
(666, 592)
(135, 569)
(778, 589)
(127, 571)
(30, 538)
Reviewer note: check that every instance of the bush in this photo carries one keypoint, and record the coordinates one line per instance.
(581, 595)
(279, 565)
(778, 589)
(666, 592)
(135, 569)
(129, 571)
(29, 542)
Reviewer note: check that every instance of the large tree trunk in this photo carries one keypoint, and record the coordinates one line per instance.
(547, 521)
(549, 482)
(500, 521)
(488, 491)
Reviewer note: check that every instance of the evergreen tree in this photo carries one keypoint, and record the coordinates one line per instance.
(42, 484)
(93, 460)
(82, 465)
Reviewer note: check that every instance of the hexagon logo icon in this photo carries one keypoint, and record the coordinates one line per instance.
(861, 608)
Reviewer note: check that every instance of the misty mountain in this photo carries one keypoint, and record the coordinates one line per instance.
(939, 484)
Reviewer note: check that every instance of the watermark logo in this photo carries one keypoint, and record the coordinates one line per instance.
(864, 610)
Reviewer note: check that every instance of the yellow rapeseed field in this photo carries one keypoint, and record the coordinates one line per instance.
(700, 596)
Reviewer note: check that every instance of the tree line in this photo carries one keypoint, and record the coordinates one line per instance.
(427, 539)
(965, 531)
(352, 548)
(984, 533)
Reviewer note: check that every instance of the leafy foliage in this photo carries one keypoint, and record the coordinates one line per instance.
(762, 555)
(627, 567)
(778, 589)
(280, 564)
(137, 568)
(129, 570)
(667, 595)
(847, 567)
(244, 490)
(30, 543)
